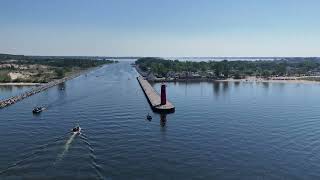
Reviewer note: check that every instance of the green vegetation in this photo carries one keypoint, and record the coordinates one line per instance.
(4, 77)
(41, 69)
(236, 69)
(59, 72)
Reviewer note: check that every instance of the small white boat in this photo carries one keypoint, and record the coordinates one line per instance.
(76, 130)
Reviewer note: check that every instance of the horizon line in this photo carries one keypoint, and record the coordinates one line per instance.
(196, 57)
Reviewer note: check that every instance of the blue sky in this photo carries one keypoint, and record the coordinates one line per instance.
(160, 28)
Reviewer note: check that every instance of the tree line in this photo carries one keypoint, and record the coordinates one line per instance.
(235, 69)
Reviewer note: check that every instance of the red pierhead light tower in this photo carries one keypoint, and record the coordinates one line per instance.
(163, 94)
(164, 106)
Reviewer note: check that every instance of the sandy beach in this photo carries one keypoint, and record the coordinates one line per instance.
(273, 80)
(303, 79)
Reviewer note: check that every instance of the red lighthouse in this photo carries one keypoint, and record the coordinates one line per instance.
(163, 94)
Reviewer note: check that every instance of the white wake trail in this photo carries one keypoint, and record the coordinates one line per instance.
(66, 148)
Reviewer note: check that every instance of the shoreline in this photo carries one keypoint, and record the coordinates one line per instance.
(258, 80)
(14, 99)
(248, 79)
(291, 79)
(76, 73)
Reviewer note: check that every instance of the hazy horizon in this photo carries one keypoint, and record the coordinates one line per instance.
(172, 57)
(205, 28)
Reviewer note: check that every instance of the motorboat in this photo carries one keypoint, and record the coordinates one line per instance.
(76, 130)
(38, 109)
(149, 117)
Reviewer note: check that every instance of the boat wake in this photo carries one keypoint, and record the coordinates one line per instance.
(93, 160)
(28, 159)
(65, 148)
(33, 153)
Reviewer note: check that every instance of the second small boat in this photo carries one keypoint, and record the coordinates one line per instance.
(149, 117)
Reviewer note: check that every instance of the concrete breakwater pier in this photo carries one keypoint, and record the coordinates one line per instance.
(158, 103)
(14, 99)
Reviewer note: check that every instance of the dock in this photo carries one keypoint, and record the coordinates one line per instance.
(154, 98)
